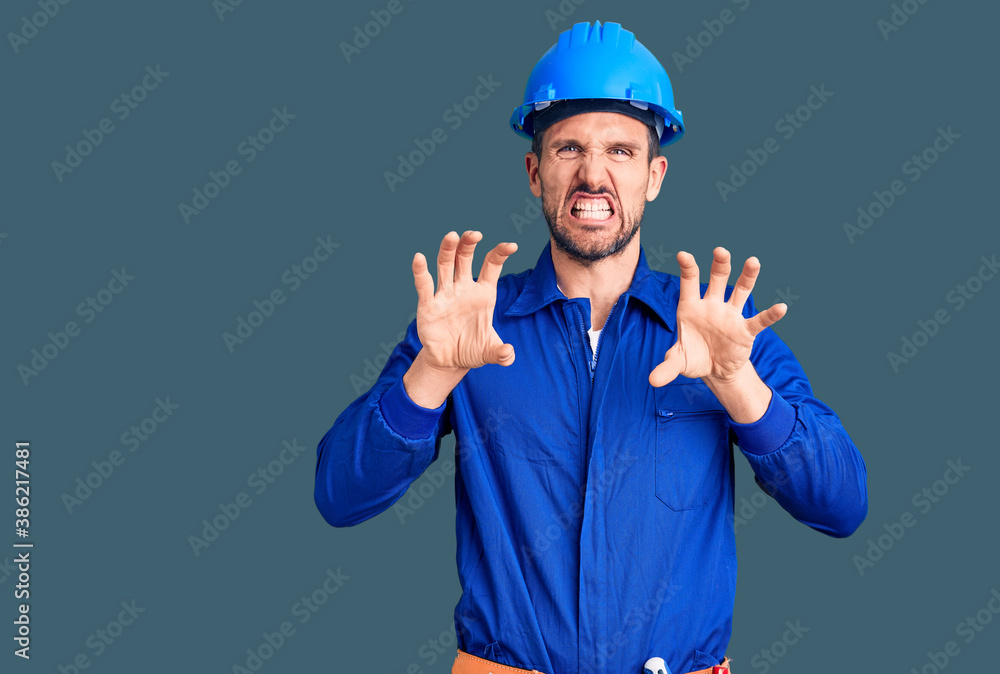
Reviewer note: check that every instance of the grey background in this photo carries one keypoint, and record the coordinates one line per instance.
(323, 176)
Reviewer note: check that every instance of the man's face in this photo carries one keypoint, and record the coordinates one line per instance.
(594, 179)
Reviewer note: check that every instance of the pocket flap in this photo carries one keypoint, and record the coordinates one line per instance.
(685, 398)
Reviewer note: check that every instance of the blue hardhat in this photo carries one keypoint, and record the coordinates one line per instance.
(600, 62)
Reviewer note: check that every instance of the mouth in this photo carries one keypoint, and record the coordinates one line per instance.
(591, 209)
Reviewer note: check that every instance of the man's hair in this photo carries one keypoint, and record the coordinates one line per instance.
(538, 140)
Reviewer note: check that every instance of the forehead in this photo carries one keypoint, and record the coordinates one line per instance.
(600, 128)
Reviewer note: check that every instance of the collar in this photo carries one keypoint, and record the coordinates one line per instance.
(656, 290)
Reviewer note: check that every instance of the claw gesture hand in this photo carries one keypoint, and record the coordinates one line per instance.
(455, 324)
(713, 338)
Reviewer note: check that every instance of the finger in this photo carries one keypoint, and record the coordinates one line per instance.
(446, 261)
(463, 258)
(669, 369)
(690, 288)
(766, 318)
(422, 279)
(745, 283)
(500, 354)
(493, 263)
(719, 277)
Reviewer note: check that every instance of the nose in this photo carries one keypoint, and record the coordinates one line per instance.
(592, 169)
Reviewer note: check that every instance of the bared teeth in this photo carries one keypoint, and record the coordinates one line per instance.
(591, 215)
(591, 205)
(590, 208)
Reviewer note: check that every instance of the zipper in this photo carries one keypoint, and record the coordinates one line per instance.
(601, 336)
(594, 354)
(586, 340)
(667, 415)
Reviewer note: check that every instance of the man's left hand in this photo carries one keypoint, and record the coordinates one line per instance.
(713, 338)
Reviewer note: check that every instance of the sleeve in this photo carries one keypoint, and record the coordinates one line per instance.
(379, 445)
(799, 450)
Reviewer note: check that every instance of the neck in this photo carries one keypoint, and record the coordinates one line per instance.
(602, 282)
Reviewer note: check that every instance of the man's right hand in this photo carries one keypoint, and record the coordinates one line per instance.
(455, 324)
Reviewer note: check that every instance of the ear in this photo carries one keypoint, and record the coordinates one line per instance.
(531, 164)
(657, 169)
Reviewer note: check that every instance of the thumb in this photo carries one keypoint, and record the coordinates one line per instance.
(667, 371)
(500, 354)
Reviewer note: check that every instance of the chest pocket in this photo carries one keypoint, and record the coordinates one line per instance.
(692, 445)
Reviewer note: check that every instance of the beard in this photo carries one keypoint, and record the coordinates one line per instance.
(587, 253)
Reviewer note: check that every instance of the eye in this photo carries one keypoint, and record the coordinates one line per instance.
(568, 148)
(622, 152)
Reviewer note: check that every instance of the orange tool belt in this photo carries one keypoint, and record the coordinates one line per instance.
(470, 664)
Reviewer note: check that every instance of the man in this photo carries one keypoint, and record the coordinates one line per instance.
(595, 403)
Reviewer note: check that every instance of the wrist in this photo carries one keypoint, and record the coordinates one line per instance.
(744, 395)
(429, 385)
